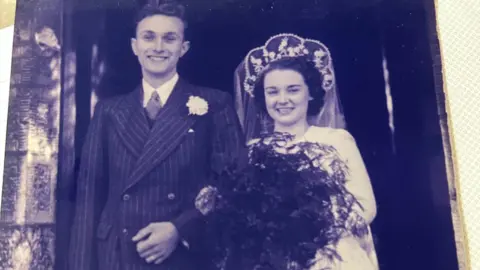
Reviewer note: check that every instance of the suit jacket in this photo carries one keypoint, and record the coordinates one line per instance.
(132, 175)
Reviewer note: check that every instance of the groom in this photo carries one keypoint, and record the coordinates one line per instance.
(149, 158)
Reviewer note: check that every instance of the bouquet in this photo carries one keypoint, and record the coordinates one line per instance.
(286, 207)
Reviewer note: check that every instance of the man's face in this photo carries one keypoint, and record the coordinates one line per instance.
(159, 44)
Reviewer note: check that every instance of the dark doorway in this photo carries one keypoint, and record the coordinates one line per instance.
(410, 233)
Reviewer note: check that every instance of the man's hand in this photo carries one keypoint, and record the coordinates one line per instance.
(156, 241)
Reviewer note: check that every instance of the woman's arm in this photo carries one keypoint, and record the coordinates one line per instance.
(358, 180)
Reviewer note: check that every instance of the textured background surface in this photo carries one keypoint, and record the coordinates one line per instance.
(459, 34)
(28, 204)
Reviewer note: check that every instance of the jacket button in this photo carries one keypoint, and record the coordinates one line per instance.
(125, 232)
(171, 196)
(126, 197)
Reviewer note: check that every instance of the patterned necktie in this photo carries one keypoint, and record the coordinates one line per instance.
(153, 106)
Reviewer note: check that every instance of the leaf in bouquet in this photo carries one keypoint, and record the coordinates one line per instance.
(260, 225)
(265, 207)
(332, 254)
(251, 218)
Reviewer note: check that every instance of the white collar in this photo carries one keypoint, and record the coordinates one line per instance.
(163, 90)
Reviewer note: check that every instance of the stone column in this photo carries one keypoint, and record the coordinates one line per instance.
(27, 216)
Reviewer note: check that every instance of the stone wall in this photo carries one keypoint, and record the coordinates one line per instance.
(27, 217)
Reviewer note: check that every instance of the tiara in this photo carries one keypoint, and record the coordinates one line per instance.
(288, 45)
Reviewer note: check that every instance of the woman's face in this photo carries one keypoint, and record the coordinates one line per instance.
(286, 97)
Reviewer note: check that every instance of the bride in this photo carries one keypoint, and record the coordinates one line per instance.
(306, 186)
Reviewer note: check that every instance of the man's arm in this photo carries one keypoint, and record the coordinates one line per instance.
(90, 181)
(227, 143)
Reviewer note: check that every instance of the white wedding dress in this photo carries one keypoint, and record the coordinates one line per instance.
(356, 253)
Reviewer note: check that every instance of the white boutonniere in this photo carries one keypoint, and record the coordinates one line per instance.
(197, 105)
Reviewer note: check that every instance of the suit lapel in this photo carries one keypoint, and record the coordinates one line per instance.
(131, 122)
(167, 132)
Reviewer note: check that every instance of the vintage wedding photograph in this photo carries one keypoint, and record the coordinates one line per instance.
(227, 135)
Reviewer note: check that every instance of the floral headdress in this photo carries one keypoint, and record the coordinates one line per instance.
(288, 45)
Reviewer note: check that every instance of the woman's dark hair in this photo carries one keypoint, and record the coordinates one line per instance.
(311, 75)
(169, 8)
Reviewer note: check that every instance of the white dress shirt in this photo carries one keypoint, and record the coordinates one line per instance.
(163, 91)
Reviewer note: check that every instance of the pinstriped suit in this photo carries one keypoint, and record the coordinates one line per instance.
(131, 175)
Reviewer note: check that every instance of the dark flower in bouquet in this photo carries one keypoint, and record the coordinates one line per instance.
(287, 206)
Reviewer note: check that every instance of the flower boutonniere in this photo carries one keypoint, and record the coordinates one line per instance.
(197, 105)
(206, 199)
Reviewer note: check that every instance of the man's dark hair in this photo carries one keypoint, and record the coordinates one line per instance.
(169, 8)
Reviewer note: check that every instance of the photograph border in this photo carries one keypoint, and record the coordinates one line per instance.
(444, 111)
